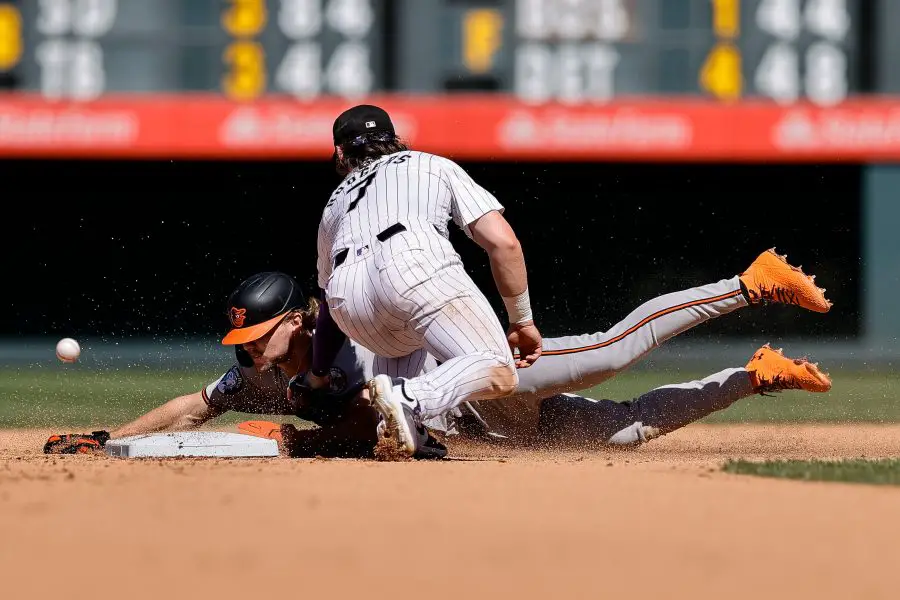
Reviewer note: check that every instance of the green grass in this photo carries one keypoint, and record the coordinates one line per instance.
(876, 472)
(75, 395)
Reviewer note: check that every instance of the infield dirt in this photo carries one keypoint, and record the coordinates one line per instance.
(660, 521)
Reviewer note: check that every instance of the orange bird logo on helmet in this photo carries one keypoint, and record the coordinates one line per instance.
(237, 316)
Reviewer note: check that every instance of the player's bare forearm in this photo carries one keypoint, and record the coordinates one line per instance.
(493, 233)
(508, 268)
(184, 412)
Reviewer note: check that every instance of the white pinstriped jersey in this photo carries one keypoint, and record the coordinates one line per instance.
(420, 190)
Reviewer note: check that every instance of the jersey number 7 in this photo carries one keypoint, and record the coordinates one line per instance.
(362, 185)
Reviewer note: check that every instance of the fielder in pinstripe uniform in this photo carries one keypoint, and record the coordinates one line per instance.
(392, 281)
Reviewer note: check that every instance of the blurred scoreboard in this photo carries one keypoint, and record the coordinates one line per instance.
(537, 51)
(597, 50)
(242, 48)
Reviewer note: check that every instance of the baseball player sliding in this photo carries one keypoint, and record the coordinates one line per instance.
(272, 331)
(394, 285)
(392, 282)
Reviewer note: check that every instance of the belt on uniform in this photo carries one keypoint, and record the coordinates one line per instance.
(381, 237)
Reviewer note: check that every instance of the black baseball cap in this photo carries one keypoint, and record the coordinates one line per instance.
(361, 120)
(259, 303)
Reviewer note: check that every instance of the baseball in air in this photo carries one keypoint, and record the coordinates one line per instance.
(67, 350)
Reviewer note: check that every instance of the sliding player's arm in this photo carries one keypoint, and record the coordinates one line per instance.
(239, 388)
(184, 412)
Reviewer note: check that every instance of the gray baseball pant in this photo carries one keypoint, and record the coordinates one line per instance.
(573, 363)
(568, 419)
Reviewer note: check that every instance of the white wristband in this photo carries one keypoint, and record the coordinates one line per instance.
(518, 308)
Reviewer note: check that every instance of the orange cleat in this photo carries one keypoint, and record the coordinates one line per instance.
(771, 279)
(263, 429)
(771, 371)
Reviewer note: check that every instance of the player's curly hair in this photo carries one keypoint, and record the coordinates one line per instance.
(364, 149)
(311, 314)
(308, 315)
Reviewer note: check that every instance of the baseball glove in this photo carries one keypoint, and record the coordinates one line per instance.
(76, 443)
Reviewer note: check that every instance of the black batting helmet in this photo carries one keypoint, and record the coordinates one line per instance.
(259, 303)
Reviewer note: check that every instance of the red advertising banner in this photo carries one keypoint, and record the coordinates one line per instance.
(480, 127)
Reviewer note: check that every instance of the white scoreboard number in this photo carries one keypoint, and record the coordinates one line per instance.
(820, 74)
(570, 50)
(307, 68)
(69, 56)
(567, 52)
(348, 71)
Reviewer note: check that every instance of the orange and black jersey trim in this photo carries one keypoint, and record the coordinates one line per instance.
(645, 321)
